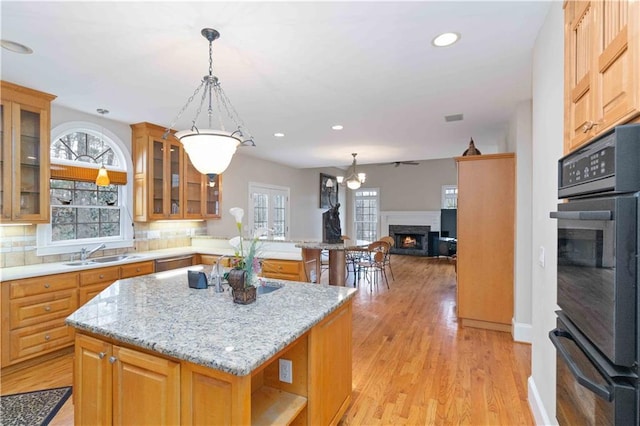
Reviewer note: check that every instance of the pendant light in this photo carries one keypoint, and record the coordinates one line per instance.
(210, 150)
(354, 180)
(103, 178)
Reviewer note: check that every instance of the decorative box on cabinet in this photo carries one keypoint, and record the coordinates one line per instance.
(602, 64)
(486, 238)
(24, 154)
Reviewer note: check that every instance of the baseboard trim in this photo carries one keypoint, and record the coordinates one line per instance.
(522, 332)
(540, 415)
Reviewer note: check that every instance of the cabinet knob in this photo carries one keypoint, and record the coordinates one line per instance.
(101, 276)
(112, 359)
(137, 269)
(47, 337)
(47, 285)
(588, 126)
(47, 308)
(101, 355)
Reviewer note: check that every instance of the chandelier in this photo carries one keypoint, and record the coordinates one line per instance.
(353, 179)
(210, 150)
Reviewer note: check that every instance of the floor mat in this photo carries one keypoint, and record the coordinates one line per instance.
(32, 408)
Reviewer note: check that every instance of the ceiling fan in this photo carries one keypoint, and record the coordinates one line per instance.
(409, 163)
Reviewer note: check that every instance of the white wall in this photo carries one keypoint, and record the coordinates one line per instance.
(519, 141)
(548, 116)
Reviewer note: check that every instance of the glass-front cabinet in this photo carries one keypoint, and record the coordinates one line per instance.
(166, 185)
(24, 154)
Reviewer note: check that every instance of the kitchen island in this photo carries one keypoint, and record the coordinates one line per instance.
(151, 350)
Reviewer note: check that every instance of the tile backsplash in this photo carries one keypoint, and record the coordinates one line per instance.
(18, 243)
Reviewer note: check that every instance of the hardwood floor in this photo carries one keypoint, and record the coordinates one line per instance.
(412, 364)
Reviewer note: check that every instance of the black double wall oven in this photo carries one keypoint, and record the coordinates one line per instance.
(596, 338)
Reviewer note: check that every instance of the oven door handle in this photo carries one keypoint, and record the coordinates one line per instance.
(602, 391)
(583, 215)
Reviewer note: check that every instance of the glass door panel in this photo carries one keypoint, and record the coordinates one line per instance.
(212, 198)
(4, 141)
(157, 185)
(175, 157)
(193, 190)
(28, 148)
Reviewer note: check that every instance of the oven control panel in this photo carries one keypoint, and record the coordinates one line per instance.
(607, 164)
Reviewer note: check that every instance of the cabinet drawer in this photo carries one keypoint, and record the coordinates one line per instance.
(42, 285)
(135, 269)
(281, 267)
(89, 292)
(99, 275)
(277, 276)
(36, 309)
(37, 340)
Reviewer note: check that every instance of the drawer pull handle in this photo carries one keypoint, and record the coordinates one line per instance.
(47, 285)
(112, 359)
(137, 269)
(101, 276)
(47, 308)
(101, 355)
(47, 337)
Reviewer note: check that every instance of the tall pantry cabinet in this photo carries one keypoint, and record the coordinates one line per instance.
(485, 247)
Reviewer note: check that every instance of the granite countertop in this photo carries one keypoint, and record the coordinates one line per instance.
(321, 246)
(161, 313)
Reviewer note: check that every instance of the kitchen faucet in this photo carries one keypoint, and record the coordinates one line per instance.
(84, 254)
(217, 279)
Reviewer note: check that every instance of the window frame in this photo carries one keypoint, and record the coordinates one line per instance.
(355, 213)
(445, 197)
(271, 190)
(44, 243)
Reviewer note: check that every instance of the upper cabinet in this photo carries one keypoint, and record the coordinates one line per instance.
(602, 64)
(166, 185)
(24, 154)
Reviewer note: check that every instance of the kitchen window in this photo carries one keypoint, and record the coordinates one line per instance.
(82, 213)
(449, 196)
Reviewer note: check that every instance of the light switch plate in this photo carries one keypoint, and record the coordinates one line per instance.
(541, 257)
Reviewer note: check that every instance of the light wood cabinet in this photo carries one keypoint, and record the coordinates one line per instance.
(602, 62)
(33, 314)
(166, 185)
(485, 240)
(24, 154)
(34, 309)
(291, 270)
(108, 376)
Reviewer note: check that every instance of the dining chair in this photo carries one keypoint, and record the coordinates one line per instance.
(387, 259)
(373, 263)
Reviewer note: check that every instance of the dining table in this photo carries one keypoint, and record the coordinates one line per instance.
(312, 251)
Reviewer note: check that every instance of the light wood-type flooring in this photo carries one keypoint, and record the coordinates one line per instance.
(412, 364)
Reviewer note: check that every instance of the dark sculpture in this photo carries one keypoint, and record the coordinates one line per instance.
(331, 231)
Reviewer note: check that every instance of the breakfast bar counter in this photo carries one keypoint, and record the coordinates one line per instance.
(152, 350)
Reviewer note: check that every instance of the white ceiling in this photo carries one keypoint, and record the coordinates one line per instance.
(291, 67)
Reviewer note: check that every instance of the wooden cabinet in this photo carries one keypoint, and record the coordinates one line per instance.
(34, 309)
(24, 154)
(602, 62)
(291, 270)
(485, 243)
(106, 377)
(166, 185)
(33, 314)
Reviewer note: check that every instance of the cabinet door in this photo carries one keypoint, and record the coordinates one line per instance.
(579, 39)
(5, 160)
(174, 179)
(212, 197)
(154, 381)
(616, 61)
(193, 188)
(157, 163)
(92, 382)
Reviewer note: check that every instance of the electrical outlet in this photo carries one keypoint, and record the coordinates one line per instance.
(286, 370)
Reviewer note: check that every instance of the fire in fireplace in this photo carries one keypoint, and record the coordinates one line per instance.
(408, 242)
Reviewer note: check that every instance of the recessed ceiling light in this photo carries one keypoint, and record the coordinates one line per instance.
(337, 127)
(445, 39)
(279, 135)
(16, 47)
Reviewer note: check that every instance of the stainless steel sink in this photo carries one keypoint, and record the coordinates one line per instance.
(264, 289)
(98, 260)
(108, 259)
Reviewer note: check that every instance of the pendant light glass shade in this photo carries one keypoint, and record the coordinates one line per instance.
(210, 151)
(103, 178)
(355, 179)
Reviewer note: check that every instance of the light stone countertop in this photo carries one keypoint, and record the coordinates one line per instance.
(161, 313)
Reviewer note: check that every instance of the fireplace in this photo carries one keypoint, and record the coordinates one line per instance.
(410, 239)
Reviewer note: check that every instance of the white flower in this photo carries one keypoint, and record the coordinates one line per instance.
(235, 242)
(260, 232)
(237, 213)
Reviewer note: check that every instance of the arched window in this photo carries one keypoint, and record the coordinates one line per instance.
(82, 213)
